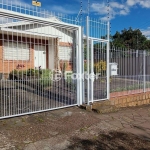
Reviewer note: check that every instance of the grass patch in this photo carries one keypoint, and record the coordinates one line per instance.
(40, 119)
(130, 87)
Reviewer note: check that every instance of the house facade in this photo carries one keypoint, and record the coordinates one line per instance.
(25, 45)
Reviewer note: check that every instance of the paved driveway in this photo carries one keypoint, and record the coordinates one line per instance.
(74, 128)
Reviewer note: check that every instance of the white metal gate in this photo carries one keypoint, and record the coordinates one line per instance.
(96, 48)
(43, 62)
(100, 67)
(33, 71)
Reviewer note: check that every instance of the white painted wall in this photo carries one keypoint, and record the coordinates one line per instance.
(66, 36)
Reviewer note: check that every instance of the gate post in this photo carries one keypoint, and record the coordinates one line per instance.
(83, 86)
(108, 72)
(92, 71)
(88, 60)
(79, 67)
(144, 71)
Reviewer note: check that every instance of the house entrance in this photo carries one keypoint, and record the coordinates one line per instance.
(40, 57)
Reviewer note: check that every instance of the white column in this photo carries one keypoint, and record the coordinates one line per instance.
(79, 66)
(144, 71)
(83, 86)
(108, 73)
(92, 70)
(88, 82)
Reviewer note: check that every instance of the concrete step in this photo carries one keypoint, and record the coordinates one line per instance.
(100, 107)
(104, 109)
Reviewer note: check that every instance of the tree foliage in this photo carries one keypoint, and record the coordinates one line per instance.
(132, 39)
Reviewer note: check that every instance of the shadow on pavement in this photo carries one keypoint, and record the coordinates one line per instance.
(113, 140)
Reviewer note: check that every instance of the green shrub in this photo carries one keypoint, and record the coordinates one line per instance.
(85, 66)
(44, 76)
(30, 72)
(22, 72)
(14, 72)
(45, 79)
(70, 83)
(130, 87)
(100, 67)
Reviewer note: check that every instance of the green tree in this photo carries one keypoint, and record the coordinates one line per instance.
(132, 39)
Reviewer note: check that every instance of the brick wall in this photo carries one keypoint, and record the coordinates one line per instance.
(65, 44)
(114, 104)
(8, 65)
(131, 100)
(68, 63)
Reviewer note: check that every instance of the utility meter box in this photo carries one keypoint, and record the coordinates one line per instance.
(113, 67)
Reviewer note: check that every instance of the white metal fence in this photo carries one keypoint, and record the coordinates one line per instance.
(51, 61)
(133, 71)
(42, 56)
(36, 56)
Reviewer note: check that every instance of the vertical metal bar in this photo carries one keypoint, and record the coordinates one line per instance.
(83, 86)
(87, 34)
(13, 95)
(7, 70)
(80, 64)
(144, 71)
(74, 53)
(108, 73)
(77, 66)
(92, 71)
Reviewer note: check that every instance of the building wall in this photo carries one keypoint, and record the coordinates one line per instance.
(51, 54)
(131, 99)
(68, 64)
(8, 65)
(66, 39)
(65, 35)
(51, 47)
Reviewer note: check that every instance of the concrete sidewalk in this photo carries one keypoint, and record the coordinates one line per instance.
(74, 128)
